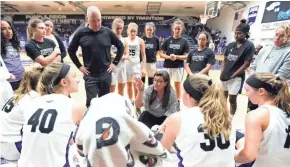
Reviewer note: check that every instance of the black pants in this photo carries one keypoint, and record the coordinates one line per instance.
(150, 120)
(97, 85)
(15, 85)
(251, 106)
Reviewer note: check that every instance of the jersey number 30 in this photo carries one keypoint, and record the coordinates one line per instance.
(212, 143)
(36, 118)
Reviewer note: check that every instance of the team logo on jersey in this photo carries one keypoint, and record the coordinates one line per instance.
(107, 131)
(148, 161)
(152, 142)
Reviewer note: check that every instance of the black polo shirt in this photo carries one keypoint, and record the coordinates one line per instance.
(95, 48)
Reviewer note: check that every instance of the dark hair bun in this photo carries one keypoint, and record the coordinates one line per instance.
(243, 21)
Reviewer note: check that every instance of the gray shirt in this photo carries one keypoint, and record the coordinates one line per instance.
(156, 107)
(275, 60)
(13, 62)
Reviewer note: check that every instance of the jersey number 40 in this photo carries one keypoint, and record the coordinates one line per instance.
(36, 120)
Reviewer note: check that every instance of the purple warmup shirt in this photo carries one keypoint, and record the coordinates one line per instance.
(13, 62)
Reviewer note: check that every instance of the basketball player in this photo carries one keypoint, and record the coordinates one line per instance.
(201, 59)
(11, 116)
(238, 57)
(110, 136)
(267, 135)
(39, 48)
(119, 74)
(175, 50)
(203, 133)
(134, 67)
(152, 46)
(50, 119)
(6, 91)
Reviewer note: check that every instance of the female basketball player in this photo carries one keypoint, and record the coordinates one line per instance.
(109, 136)
(174, 51)
(203, 133)
(50, 34)
(6, 91)
(159, 100)
(10, 47)
(39, 48)
(50, 119)
(12, 118)
(119, 75)
(152, 46)
(134, 67)
(201, 59)
(267, 135)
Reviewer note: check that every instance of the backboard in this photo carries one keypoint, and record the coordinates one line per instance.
(212, 8)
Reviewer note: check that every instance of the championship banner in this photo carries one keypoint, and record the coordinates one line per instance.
(276, 13)
(253, 12)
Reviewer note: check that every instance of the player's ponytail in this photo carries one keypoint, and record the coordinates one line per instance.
(28, 83)
(212, 103)
(49, 75)
(280, 93)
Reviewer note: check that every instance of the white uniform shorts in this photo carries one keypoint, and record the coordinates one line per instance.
(233, 86)
(151, 69)
(176, 74)
(133, 70)
(9, 151)
(119, 74)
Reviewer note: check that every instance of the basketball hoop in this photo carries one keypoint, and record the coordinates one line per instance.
(204, 18)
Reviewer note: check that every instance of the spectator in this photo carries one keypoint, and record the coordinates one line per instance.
(50, 34)
(10, 48)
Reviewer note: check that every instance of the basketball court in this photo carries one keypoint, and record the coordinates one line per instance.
(207, 10)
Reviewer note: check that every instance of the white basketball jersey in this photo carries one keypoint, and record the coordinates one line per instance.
(110, 136)
(12, 118)
(134, 49)
(195, 147)
(274, 150)
(46, 133)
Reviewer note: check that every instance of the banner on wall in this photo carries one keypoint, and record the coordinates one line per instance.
(237, 19)
(253, 12)
(276, 13)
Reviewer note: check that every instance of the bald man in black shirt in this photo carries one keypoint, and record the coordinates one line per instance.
(95, 41)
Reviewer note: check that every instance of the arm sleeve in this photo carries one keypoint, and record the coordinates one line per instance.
(119, 45)
(61, 47)
(186, 47)
(146, 98)
(284, 70)
(172, 104)
(158, 47)
(72, 49)
(250, 53)
(31, 50)
(211, 58)
(188, 60)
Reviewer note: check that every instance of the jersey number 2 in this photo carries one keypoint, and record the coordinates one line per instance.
(212, 144)
(35, 119)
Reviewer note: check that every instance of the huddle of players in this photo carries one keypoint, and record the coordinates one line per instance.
(48, 124)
